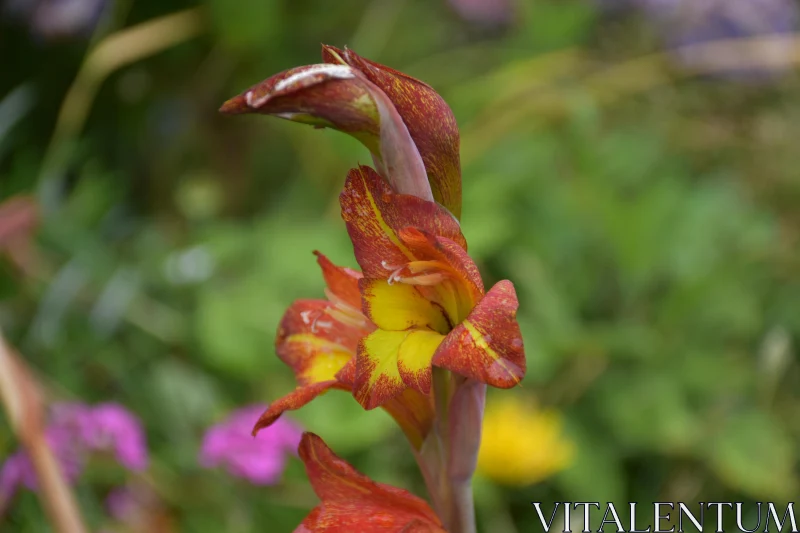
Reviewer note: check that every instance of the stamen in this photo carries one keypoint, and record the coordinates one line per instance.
(306, 316)
(388, 266)
(322, 324)
(433, 278)
(395, 276)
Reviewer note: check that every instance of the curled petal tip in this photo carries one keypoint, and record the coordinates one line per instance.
(235, 106)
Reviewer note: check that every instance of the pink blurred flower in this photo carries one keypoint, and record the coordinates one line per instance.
(261, 459)
(74, 432)
(485, 12)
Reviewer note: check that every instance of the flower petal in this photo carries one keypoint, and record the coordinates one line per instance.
(341, 281)
(293, 401)
(321, 95)
(414, 358)
(353, 502)
(398, 307)
(312, 343)
(374, 215)
(468, 283)
(429, 119)
(343, 98)
(377, 376)
(413, 412)
(487, 346)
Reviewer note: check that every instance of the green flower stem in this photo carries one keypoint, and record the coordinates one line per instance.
(451, 491)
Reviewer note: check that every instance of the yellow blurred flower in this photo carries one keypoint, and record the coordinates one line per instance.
(521, 444)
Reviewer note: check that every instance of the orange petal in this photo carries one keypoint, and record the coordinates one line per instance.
(413, 412)
(353, 502)
(314, 344)
(293, 401)
(468, 283)
(487, 346)
(341, 281)
(429, 119)
(374, 215)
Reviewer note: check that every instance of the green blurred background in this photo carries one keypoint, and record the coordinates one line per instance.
(647, 214)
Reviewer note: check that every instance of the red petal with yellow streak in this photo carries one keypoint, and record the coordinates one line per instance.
(312, 343)
(293, 401)
(487, 346)
(389, 361)
(351, 502)
(375, 214)
(377, 376)
(427, 116)
(341, 281)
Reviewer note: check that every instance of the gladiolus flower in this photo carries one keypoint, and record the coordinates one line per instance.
(318, 340)
(521, 444)
(425, 295)
(418, 302)
(351, 501)
(260, 459)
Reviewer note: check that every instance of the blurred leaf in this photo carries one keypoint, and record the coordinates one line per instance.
(596, 473)
(246, 23)
(648, 410)
(751, 452)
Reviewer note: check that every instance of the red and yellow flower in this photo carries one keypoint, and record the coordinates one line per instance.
(425, 296)
(418, 303)
(318, 338)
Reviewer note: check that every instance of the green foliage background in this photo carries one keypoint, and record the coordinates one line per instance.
(648, 217)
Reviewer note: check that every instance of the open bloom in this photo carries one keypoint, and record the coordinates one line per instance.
(353, 502)
(425, 295)
(419, 301)
(260, 459)
(318, 340)
(74, 432)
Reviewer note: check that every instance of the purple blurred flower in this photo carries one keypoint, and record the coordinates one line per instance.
(75, 431)
(260, 460)
(691, 22)
(54, 20)
(485, 12)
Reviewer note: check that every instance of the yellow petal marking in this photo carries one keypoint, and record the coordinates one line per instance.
(327, 359)
(480, 342)
(399, 307)
(417, 350)
(382, 223)
(382, 347)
